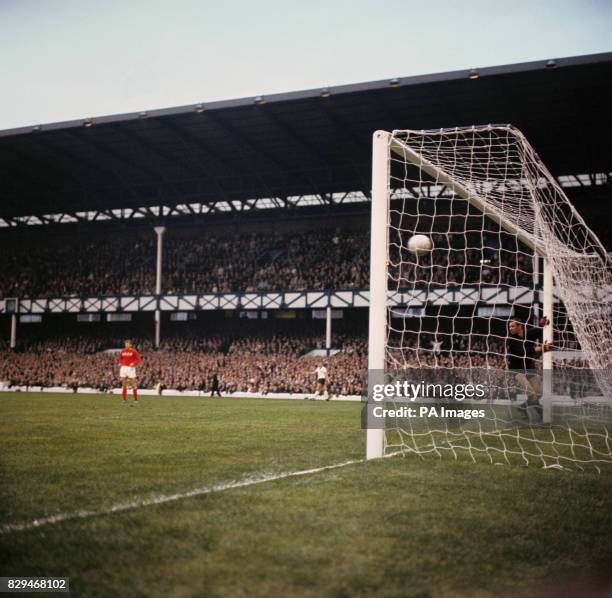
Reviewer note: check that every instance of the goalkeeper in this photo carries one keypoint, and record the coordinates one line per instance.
(523, 346)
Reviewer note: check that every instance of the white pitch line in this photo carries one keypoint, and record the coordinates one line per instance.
(164, 498)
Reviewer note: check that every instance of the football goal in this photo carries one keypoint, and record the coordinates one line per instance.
(484, 276)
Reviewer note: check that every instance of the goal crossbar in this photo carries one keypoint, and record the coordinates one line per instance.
(408, 154)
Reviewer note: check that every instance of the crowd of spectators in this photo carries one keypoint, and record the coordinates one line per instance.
(321, 258)
(86, 344)
(255, 363)
(190, 371)
(453, 351)
(465, 250)
(274, 363)
(317, 259)
(120, 265)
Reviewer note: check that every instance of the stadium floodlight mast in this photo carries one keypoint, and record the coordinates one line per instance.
(492, 173)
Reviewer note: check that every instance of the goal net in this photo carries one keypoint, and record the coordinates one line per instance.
(484, 276)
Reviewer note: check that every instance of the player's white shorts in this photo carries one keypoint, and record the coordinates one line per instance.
(127, 371)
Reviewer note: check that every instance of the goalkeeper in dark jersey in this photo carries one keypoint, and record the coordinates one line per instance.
(523, 347)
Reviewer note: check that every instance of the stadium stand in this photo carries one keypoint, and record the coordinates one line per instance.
(254, 358)
(250, 262)
(263, 364)
(258, 201)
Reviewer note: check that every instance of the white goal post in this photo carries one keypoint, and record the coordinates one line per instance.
(491, 176)
(379, 251)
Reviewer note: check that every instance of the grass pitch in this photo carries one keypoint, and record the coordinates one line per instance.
(395, 527)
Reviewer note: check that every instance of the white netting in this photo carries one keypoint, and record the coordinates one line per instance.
(491, 209)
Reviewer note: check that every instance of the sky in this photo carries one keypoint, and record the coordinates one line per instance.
(69, 59)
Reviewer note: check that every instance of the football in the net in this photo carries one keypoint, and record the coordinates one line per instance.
(419, 244)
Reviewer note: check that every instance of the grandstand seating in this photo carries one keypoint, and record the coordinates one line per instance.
(251, 261)
(252, 363)
(259, 358)
(119, 264)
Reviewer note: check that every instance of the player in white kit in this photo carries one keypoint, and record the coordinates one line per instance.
(321, 387)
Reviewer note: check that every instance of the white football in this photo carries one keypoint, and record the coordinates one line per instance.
(419, 244)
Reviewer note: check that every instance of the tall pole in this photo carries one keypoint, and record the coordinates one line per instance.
(536, 284)
(377, 331)
(159, 231)
(328, 329)
(547, 357)
(13, 330)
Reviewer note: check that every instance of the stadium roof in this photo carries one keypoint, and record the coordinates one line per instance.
(310, 143)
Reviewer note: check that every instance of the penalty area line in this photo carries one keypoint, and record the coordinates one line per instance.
(166, 498)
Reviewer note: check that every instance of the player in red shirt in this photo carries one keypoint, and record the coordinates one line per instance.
(129, 358)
